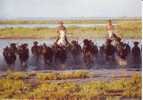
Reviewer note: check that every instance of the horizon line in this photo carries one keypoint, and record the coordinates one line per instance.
(66, 18)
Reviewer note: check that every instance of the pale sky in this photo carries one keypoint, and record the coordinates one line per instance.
(69, 8)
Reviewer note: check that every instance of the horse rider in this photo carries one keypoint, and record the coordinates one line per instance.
(112, 35)
(110, 28)
(62, 38)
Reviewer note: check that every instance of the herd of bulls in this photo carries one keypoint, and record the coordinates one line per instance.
(56, 54)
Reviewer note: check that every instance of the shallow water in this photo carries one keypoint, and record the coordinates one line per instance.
(48, 25)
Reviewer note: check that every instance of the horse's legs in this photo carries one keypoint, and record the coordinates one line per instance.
(23, 65)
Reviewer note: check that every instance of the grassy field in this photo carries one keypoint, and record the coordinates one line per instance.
(126, 29)
(47, 85)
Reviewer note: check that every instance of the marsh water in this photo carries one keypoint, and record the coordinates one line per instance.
(48, 25)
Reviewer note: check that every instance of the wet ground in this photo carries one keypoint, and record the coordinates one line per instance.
(100, 74)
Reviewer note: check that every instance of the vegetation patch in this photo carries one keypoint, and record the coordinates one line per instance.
(21, 88)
